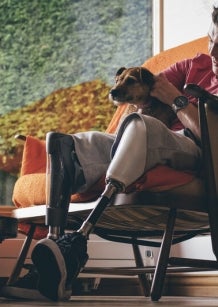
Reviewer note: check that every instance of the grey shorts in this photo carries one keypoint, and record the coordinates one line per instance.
(164, 146)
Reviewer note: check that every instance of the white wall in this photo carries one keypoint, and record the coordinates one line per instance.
(185, 20)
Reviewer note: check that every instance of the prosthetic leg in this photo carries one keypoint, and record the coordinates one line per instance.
(127, 165)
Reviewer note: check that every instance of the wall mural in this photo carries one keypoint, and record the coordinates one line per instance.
(58, 59)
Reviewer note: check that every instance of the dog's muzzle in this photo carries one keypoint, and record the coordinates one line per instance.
(116, 95)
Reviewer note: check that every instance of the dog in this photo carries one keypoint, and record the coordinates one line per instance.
(133, 86)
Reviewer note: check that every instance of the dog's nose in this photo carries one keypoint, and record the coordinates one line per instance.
(114, 93)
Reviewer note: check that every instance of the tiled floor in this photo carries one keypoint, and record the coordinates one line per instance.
(118, 301)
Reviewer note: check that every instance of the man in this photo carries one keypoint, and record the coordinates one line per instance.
(86, 156)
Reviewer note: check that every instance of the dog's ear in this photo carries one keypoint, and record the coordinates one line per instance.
(120, 70)
(146, 76)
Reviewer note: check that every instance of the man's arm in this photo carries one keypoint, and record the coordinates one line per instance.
(167, 92)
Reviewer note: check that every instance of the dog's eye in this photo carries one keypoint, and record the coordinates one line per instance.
(118, 79)
(131, 81)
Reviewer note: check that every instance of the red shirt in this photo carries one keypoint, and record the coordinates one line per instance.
(197, 70)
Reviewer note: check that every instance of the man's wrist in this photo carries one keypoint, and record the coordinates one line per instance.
(179, 103)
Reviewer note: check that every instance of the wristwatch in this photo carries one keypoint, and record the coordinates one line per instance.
(180, 103)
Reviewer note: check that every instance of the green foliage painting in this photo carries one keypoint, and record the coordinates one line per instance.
(48, 46)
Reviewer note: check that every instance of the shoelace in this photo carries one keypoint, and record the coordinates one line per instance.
(73, 242)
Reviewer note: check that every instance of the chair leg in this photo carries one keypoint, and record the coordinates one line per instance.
(163, 259)
(22, 256)
(143, 281)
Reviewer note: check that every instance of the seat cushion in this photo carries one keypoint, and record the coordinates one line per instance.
(29, 189)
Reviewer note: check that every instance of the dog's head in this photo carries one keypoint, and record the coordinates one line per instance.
(132, 85)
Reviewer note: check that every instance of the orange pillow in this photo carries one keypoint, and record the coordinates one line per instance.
(34, 156)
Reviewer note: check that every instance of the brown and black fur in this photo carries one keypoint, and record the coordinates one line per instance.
(133, 86)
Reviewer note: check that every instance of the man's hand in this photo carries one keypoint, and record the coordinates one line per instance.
(165, 91)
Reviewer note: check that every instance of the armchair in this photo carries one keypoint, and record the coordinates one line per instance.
(166, 204)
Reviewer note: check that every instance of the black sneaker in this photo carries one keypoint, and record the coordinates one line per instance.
(25, 287)
(59, 263)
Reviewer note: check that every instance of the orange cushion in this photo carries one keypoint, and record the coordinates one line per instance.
(30, 189)
(168, 57)
(34, 156)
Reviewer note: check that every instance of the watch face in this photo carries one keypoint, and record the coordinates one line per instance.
(181, 101)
